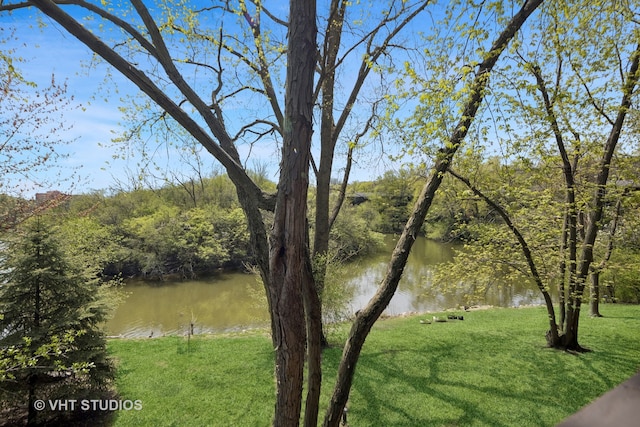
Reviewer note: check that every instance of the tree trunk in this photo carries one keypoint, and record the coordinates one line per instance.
(569, 339)
(32, 414)
(291, 282)
(569, 230)
(315, 344)
(323, 187)
(327, 128)
(598, 201)
(563, 271)
(594, 298)
(328, 139)
(330, 129)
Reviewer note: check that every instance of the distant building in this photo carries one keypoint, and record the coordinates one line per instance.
(50, 195)
(51, 199)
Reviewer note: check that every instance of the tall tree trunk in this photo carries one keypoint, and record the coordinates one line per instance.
(563, 271)
(314, 347)
(327, 144)
(368, 315)
(570, 227)
(330, 129)
(291, 280)
(594, 294)
(569, 338)
(597, 205)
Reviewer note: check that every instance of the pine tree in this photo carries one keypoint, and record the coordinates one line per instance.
(45, 298)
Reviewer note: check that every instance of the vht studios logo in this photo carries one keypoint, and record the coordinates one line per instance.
(88, 405)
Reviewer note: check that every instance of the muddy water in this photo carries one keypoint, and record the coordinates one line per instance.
(235, 301)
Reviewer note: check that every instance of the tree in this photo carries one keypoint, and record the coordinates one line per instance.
(30, 121)
(569, 97)
(379, 41)
(52, 314)
(256, 53)
(284, 257)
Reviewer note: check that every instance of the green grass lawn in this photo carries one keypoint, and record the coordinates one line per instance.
(492, 369)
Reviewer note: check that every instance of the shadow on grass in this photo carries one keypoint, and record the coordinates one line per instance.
(418, 398)
(468, 383)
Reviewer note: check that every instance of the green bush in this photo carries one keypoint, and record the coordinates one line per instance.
(351, 235)
(621, 281)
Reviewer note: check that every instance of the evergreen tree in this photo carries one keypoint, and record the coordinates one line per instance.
(44, 298)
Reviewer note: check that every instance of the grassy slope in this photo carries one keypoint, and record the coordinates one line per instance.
(492, 369)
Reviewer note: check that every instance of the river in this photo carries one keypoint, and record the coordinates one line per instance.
(235, 301)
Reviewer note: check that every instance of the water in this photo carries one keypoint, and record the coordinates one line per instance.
(235, 301)
(221, 303)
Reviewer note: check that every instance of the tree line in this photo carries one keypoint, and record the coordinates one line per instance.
(180, 232)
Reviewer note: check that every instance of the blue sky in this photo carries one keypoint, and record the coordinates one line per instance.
(46, 52)
(49, 50)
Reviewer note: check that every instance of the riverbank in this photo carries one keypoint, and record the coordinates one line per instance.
(233, 301)
(492, 368)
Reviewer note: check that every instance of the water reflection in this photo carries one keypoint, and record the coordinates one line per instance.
(236, 301)
(221, 303)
